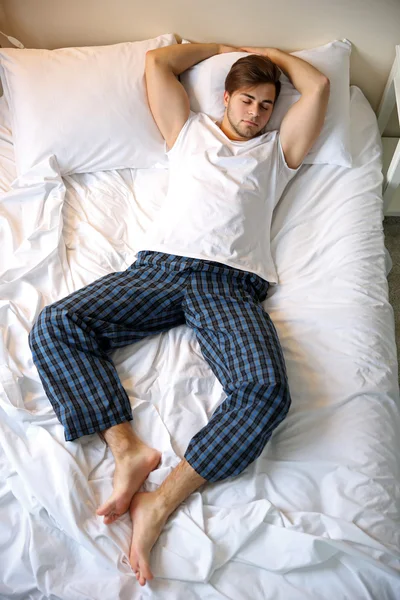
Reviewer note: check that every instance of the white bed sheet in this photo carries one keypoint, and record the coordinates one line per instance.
(318, 514)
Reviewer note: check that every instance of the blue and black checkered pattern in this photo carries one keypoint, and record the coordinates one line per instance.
(73, 339)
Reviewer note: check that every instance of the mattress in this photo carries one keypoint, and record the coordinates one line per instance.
(317, 515)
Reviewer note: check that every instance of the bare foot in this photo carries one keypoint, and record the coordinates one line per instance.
(148, 520)
(130, 473)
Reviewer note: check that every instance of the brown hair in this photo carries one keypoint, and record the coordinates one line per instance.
(252, 70)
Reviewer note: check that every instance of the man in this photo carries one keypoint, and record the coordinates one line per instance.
(205, 263)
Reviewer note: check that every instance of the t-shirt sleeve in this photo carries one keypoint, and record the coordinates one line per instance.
(169, 152)
(283, 167)
(284, 172)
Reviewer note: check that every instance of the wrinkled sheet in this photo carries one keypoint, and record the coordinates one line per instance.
(318, 514)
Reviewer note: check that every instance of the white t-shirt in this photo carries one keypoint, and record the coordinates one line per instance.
(220, 198)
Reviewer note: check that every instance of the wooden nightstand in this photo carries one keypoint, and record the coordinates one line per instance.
(390, 98)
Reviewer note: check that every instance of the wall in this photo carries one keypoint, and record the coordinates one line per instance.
(373, 27)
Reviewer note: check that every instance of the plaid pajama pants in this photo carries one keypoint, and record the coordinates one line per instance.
(73, 339)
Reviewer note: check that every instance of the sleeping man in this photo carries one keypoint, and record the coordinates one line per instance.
(205, 263)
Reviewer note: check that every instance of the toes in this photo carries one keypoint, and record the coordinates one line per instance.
(133, 560)
(106, 508)
(140, 568)
(145, 570)
(141, 578)
(108, 519)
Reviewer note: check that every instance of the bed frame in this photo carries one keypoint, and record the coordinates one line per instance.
(390, 98)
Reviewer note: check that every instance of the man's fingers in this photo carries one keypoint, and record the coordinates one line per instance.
(256, 50)
(223, 49)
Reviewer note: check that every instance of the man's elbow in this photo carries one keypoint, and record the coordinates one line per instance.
(321, 87)
(150, 54)
(325, 83)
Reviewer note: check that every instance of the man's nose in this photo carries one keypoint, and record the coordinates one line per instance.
(254, 110)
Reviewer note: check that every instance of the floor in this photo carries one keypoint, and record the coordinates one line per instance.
(391, 226)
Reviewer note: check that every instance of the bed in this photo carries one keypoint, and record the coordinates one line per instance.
(317, 515)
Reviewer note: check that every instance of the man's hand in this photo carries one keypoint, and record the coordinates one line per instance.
(256, 50)
(223, 49)
(250, 49)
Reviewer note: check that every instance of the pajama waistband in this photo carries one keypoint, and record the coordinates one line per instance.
(174, 261)
(179, 263)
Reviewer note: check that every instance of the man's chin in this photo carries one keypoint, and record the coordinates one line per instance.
(250, 135)
(248, 131)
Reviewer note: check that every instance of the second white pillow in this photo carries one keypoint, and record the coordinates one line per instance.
(205, 84)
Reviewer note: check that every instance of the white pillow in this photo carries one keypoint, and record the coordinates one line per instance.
(88, 106)
(205, 84)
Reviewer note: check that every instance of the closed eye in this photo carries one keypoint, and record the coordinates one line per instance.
(249, 102)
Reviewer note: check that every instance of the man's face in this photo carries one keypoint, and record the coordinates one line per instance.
(248, 111)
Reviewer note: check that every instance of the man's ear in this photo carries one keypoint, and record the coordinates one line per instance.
(226, 98)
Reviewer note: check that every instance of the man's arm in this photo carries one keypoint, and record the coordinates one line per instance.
(180, 57)
(301, 74)
(303, 122)
(168, 100)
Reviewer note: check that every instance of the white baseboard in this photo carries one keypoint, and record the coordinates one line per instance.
(389, 146)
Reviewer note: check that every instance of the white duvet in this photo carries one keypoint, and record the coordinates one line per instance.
(317, 516)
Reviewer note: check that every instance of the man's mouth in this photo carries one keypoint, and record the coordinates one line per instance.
(251, 123)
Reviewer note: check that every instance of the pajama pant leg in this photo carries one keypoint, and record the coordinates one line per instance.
(72, 339)
(240, 343)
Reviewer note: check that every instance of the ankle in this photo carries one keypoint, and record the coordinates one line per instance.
(125, 450)
(179, 484)
(122, 440)
(164, 506)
